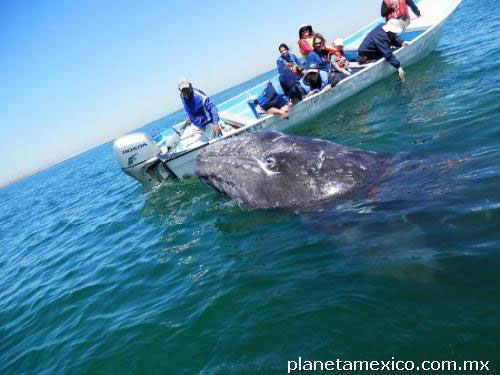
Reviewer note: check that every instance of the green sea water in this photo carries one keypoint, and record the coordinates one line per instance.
(99, 277)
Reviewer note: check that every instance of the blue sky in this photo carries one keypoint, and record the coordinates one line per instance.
(75, 74)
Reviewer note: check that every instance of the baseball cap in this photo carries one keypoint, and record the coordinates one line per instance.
(183, 84)
(313, 68)
(395, 26)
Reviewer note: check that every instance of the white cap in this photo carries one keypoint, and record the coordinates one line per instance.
(305, 27)
(339, 42)
(183, 84)
(394, 25)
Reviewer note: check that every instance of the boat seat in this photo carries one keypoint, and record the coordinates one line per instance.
(355, 67)
(351, 55)
(235, 120)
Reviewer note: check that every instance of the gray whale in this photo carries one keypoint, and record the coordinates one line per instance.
(266, 170)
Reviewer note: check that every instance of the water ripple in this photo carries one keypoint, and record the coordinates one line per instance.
(99, 277)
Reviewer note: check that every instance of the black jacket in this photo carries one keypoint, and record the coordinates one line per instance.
(378, 44)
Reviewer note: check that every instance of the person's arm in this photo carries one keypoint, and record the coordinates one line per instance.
(384, 47)
(282, 65)
(385, 50)
(212, 109)
(341, 70)
(189, 119)
(396, 42)
(401, 73)
(305, 87)
(413, 7)
(295, 60)
(313, 57)
(214, 114)
(283, 112)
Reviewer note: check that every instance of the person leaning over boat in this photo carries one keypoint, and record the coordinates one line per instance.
(398, 9)
(200, 109)
(378, 43)
(305, 43)
(272, 100)
(287, 60)
(292, 88)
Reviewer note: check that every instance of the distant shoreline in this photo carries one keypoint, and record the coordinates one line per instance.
(45, 167)
(53, 164)
(41, 169)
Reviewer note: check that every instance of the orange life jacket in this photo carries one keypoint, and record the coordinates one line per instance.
(397, 9)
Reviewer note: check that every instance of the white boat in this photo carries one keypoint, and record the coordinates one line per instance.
(172, 154)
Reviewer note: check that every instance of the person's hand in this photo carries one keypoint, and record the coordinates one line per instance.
(401, 73)
(187, 122)
(216, 128)
(284, 114)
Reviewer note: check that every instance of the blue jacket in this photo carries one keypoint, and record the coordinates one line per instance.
(272, 95)
(377, 44)
(321, 60)
(324, 81)
(283, 64)
(277, 85)
(287, 80)
(200, 109)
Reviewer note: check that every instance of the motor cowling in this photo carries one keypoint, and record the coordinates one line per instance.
(137, 155)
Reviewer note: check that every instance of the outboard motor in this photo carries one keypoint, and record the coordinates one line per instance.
(138, 156)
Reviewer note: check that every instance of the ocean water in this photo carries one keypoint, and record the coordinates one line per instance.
(98, 277)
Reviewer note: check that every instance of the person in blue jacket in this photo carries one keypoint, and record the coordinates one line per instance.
(315, 80)
(319, 55)
(290, 83)
(287, 60)
(272, 100)
(201, 112)
(378, 43)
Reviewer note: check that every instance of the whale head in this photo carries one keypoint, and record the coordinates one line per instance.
(266, 170)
